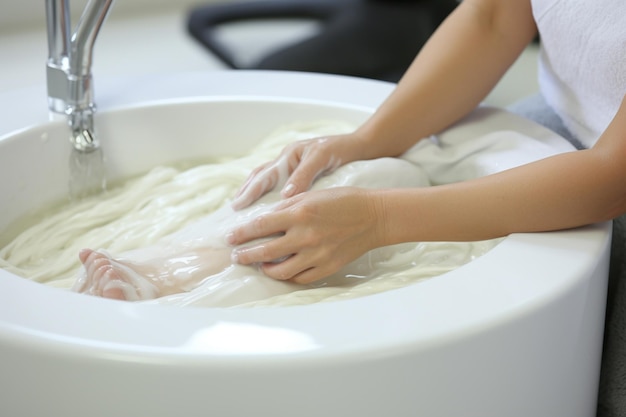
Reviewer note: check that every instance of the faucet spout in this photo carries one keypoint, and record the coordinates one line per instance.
(58, 18)
(69, 78)
(84, 37)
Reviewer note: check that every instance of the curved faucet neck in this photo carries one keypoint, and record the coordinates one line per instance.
(69, 79)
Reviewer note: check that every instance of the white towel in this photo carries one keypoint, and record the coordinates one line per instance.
(582, 68)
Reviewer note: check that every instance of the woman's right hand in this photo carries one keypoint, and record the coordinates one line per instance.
(298, 165)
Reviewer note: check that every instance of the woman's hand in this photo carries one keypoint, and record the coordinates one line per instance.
(298, 165)
(318, 232)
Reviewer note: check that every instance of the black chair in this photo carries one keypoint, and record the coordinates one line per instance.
(366, 38)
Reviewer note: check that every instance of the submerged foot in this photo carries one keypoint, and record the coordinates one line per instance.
(162, 274)
(106, 277)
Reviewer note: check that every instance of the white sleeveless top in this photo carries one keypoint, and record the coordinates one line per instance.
(582, 61)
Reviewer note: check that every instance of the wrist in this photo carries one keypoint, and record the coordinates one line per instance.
(383, 234)
(378, 140)
(400, 216)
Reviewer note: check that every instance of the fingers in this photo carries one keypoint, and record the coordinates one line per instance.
(301, 179)
(314, 162)
(273, 251)
(294, 270)
(263, 226)
(299, 165)
(260, 181)
(293, 267)
(282, 257)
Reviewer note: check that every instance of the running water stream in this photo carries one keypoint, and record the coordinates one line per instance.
(87, 173)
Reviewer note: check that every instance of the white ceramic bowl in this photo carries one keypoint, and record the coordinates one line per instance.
(517, 332)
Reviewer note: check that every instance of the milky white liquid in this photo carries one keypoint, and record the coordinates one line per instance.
(171, 207)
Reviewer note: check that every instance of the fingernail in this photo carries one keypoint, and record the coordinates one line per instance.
(230, 237)
(234, 256)
(236, 203)
(288, 190)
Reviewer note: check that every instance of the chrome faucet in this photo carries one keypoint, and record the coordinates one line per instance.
(68, 72)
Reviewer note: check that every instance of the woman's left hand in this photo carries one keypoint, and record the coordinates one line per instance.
(315, 234)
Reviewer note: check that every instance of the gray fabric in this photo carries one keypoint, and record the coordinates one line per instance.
(612, 395)
(535, 108)
(612, 390)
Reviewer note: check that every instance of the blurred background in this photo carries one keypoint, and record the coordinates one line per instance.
(145, 37)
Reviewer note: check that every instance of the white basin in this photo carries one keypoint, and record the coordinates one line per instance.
(517, 332)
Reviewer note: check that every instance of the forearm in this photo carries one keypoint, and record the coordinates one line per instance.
(563, 191)
(453, 72)
(560, 192)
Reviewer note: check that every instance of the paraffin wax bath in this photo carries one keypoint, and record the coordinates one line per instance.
(167, 217)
